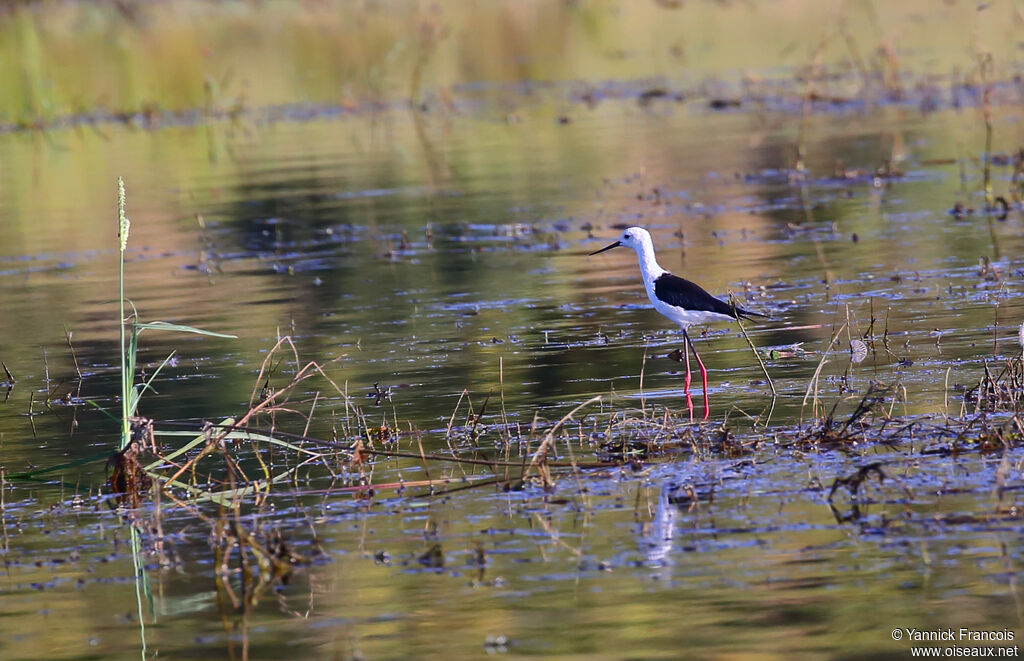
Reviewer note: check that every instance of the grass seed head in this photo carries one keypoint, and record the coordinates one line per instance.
(124, 224)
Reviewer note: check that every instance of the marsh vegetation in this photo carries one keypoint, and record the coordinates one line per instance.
(361, 388)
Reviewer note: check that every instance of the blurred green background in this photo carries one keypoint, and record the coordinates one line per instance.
(63, 58)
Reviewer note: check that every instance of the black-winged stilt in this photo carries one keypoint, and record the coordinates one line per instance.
(680, 300)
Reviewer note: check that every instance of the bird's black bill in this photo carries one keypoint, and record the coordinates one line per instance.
(614, 245)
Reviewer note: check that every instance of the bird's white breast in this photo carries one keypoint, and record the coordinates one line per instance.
(682, 316)
(650, 270)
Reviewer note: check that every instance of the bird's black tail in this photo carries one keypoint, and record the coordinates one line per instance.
(740, 313)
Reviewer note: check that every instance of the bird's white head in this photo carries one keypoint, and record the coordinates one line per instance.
(636, 238)
(639, 240)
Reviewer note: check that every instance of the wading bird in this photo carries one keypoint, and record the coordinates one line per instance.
(680, 300)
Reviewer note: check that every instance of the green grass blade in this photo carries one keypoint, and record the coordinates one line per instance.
(157, 371)
(245, 436)
(224, 498)
(133, 400)
(138, 390)
(104, 411)
(164, 326)
(198, 440)
(24, 475)
(133, 349)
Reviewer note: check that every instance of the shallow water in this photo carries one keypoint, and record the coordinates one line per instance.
(436, 253)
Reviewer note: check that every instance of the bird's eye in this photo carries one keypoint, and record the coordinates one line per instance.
(626, 237)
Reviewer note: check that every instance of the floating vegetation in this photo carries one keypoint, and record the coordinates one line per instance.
(225, 463)
(999, 391)
(127, 478)
(858, 351)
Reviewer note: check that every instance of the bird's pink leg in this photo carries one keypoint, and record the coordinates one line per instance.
(686, 382)
(704, 380)
(703, 377)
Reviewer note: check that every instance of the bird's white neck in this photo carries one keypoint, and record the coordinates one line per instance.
(649, 267)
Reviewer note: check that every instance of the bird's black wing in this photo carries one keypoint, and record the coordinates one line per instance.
(690, 296)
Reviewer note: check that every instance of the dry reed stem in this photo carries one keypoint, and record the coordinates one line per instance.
(817, 373)
(739, 322)
(539, 459)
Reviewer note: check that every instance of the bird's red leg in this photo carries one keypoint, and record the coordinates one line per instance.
(703, 377)
(686, 383)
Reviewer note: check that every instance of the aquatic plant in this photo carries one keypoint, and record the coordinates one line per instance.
(131, 392)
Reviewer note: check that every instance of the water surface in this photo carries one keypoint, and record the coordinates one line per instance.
(433, 254)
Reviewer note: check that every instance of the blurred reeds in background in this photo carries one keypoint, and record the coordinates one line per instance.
(65, 58)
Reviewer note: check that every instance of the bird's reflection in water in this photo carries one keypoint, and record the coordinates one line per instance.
(656, 544)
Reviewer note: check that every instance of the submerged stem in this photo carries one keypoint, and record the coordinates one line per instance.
(141, 584)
